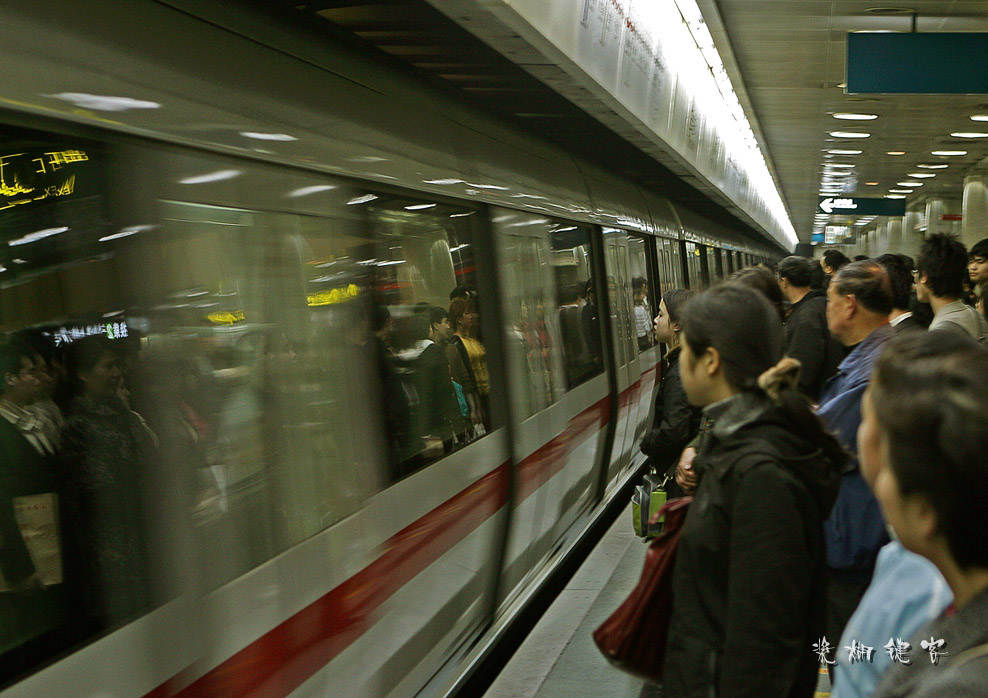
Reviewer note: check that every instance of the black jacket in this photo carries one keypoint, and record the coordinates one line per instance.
(809, 341)
(749, 585)
(676, 420)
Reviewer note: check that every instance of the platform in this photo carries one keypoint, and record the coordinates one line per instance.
(559, 658)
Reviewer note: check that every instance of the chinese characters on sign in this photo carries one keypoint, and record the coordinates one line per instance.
(112, 330)
(897, 649)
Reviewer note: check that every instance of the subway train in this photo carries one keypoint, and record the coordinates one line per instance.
(263, 228)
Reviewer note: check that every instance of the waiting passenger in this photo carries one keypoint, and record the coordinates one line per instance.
(831, 262)
(859, 301)
(941, 270)
(32, 602)
(676, 422)
(906, 592)
(45, 407)
(900, 275)
(461, 368)
(750, 572)
(977, 267)
(105, 460)
(930, 399)
(763, 281)
(807, 338)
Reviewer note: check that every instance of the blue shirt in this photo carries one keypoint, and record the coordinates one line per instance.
(855, 530)
(906, 592)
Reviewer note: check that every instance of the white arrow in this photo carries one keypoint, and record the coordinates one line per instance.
(827, 205)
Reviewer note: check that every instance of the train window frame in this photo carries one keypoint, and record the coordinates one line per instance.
(651, 302)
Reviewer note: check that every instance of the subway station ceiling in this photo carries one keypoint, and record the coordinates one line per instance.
(792, 54)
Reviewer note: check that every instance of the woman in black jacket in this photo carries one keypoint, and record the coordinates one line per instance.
(749, 597)
(676, 421)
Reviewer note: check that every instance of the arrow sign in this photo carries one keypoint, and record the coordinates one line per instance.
(835, 205)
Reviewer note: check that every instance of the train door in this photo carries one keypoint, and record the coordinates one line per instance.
(644, 289)
(557, 387)
(620, 298)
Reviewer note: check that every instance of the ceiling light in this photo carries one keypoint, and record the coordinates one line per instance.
(461, 215)
(921, 175)
(840, 164)
(894, 196)
(849, 134)
(949, 153)
(314, 189)
(909, 184)
(268, 136)
(968, 134)
(855, 117)
(361, 199)
(104, 102)
(419, 207)
(933, 167)
(979, 117)
(844, 152)
(900, 191)
(895, 152)
(217, 176)
(871, 184)
(35, 236)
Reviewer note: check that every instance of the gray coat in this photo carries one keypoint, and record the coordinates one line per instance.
(962, 673)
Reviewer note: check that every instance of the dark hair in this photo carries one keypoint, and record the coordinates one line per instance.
(675, 299)
(901, 278)
(436, 315)
(462, 291)
(742, 326)
(861, 257)
(638, 282)
(457, 309)
(984, 302)
(84, 354)
(943, 260)
(907, 260)
(763, 281)
(869, 282)
(817, 277)
(14, 349)
(979, 249)
(569, 293)
(937, 444)
(797, 270)
(835, 259)
(380, 317)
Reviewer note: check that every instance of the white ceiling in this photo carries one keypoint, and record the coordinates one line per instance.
(791, 56)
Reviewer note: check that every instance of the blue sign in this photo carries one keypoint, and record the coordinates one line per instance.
(918, 63)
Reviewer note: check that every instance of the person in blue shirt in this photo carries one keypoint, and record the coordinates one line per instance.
(859, 300)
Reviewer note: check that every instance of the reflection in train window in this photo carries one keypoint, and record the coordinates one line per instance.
(641, 292)
(576, 301)
(428, 335)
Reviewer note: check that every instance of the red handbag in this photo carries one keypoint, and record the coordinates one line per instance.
(634, 637)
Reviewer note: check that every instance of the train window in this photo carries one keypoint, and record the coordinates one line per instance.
(670, 267)
(704, 259)
(429, 331)
(642, 292)
(576, 302)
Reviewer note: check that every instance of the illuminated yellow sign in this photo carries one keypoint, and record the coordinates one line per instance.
(15, 170)
(336, 295)
(226, 318)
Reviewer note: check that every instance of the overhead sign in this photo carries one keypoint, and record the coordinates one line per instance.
(917, 63)
(847, 206)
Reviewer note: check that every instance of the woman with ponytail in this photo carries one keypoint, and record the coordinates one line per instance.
(749, 595)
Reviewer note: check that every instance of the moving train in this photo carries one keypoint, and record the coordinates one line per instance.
(261, 223)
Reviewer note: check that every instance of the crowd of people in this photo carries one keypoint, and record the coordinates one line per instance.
(830, 422)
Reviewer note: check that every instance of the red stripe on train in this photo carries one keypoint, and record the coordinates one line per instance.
(285, 657)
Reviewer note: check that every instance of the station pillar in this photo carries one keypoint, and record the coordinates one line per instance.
(872, 243)
(912, 236)
(895, 235)
(881, 239)
(974, 227)
(942, 216)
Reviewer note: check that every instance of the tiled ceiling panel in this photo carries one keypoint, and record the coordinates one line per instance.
(791, 55)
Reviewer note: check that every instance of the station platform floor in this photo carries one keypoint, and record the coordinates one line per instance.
(558, 659)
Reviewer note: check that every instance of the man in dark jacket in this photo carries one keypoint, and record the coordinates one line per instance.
(807, 338)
